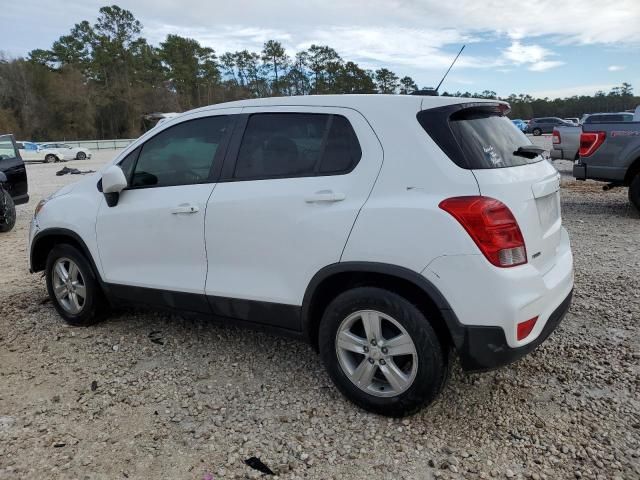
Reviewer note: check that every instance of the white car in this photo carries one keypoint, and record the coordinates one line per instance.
(32, 152)
(386, 230)
(78, 153)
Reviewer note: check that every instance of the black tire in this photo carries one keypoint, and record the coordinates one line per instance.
(537, 132)
(7, 211)
(50, 158)
(433, 357)
(81, 156)
(634, 192)
(95, 306)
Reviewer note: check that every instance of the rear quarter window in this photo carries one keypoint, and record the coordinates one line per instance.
(477, 136)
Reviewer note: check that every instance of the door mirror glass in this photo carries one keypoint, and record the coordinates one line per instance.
(113, 182)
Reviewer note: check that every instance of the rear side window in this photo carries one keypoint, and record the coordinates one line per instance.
(280, 145)
(477, 137)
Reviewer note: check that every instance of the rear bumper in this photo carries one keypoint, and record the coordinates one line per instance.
(557, 153)
(580, 171)
(486, 304)
(486, 348)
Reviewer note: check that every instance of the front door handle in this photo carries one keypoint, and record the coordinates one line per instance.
(325, 196)
(185, 208)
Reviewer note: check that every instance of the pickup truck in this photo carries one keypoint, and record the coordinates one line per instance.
(610, 152)
(566, 139)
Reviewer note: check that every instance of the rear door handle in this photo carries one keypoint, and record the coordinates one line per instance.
(185, 208)
(325, 196)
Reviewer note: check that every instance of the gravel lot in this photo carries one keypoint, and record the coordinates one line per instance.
(108, 402)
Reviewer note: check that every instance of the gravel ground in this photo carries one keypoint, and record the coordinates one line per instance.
(150, 395)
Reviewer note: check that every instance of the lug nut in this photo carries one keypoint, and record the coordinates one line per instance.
(366, 349)
(382, 362)
(373, 342)
(385, 350)
(371, 360)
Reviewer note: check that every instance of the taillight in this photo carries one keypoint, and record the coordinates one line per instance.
(492, 227)
(590, 142)
(555, 137)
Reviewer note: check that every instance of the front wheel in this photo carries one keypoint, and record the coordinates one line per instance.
(537, 132)
(81, 156)
(7, 211)
(73, 287)
(381, 352)
(50, 158)
(634, 191)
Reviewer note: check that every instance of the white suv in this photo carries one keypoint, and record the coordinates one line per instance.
(388, 231)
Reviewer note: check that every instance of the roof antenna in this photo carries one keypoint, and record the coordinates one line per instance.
(434, 92)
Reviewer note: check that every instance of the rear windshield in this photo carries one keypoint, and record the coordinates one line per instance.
(477, 137)
(609, 118)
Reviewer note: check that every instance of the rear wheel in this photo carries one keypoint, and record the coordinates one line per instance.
(537, 132)
(634, 191)
(81, 156)
(73, 286)
(7, 211)
(381, 351)
(50, 158)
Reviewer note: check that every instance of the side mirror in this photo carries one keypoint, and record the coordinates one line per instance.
(113, 182)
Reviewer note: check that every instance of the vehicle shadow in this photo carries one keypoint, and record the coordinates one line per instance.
(616, 206)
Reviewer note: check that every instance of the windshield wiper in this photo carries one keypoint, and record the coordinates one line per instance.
(529, 151)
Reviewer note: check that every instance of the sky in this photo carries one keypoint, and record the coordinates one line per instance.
(544, 48)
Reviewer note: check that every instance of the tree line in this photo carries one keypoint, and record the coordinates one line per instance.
(99, 80)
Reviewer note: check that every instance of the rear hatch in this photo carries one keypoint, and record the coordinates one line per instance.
(507, 167)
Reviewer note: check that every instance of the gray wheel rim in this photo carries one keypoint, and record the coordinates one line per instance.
(376, 353)
(68, 285)
(81, 156)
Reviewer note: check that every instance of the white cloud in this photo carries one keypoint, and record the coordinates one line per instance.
(545, 65)
(616, 68)
(535, 57)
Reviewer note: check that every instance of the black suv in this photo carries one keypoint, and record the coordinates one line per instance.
(13, 182)
(538, 126)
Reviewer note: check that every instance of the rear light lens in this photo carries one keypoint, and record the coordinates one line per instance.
(525, 328)
(492, 227)
(555, 137)
(590, 142)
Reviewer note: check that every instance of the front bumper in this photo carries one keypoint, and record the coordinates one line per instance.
(485, 348)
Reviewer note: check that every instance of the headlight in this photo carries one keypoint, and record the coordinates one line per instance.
(39, 207)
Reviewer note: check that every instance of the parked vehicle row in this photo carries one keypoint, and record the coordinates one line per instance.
(51, 152)
(385, 238)
(538, 126)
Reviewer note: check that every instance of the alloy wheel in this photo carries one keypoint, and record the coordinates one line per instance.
(376, 353)
(69, 285)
